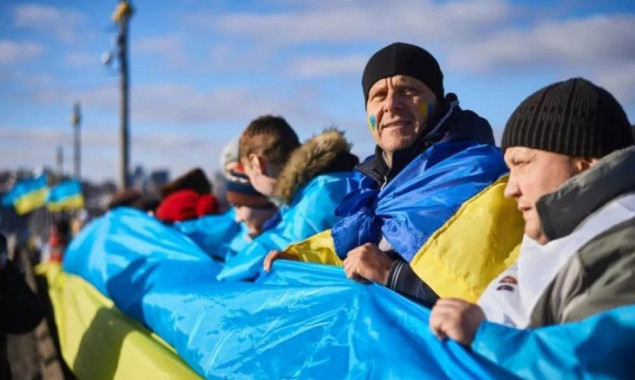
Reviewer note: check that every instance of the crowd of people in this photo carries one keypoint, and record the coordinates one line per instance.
(539, 231)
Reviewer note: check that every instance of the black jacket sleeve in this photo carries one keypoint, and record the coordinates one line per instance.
(404, 281)
(20, 309)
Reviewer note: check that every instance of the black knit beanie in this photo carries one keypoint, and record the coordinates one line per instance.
(403, 59)
(574, 117)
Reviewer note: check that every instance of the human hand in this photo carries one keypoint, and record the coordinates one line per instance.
(456, 319)
(367, 262)
(275, 255)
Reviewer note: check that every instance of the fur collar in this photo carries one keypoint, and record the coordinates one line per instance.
(312, 158)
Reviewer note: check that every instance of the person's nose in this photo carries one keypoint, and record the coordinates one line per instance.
(511, 189)
(393, 101)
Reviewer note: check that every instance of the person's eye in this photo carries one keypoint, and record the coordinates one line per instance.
(378, 96)
(410, 91)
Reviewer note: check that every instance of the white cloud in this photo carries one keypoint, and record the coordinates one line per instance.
(471, 37)
(37, 146)
(27, 81)
(34, 147)
(322, 66)
(178, 152)
(168, 48)
(82, 60)
(264, 37)
(184, 104)
(58, 22)
(12, 51)
(595, 42)
(359, 21)
(620, 82)
(229, 57)
(38, 79)
(104, 97)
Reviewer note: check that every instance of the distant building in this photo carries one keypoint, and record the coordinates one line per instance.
(137, 178)
(157, 179)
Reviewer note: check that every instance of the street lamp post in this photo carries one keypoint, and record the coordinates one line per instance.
(59, 158)
(77, 120)
(121, 15)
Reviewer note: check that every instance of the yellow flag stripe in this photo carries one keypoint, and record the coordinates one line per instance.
(318, 248)
(99, 342)
(70, 203)
(31, 201)
(473, 247)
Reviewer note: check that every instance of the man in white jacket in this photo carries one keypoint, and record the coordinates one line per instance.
(570, 153)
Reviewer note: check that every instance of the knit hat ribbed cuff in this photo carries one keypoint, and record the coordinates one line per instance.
(403, 59)
(241, 192)
(574, 117)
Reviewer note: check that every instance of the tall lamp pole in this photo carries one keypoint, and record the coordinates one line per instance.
(59, 158)
(121, 15)
(77, 120)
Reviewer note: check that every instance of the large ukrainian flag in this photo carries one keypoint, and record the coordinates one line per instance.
(65, 196)
(28, 194)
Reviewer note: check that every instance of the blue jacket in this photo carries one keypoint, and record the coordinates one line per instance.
(218, 235)
(309, 188)
(311, 211)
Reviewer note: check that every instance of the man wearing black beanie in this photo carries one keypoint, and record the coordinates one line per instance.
(431, 159)
(570, 151)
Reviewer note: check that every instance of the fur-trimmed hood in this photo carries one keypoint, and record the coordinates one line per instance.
(325, 153)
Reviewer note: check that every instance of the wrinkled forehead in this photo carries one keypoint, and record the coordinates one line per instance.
(519, 153)
(396, 80)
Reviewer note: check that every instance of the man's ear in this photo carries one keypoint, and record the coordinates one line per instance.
(258, 163)
(584, 163)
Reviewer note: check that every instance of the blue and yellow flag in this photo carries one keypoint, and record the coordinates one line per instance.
(66, 195)
(27, 194)
(301, 320)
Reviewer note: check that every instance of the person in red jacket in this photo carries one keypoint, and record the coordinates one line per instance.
(187, 197)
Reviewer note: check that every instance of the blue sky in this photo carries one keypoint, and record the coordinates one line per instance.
(201, 70)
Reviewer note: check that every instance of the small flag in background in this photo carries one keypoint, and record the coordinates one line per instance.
(27, 194)
(66, 195)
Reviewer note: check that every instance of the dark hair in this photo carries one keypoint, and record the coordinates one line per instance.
(194, 179)
(271, 137)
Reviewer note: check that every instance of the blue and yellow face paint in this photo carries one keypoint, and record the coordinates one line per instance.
(372, 122)
(426, 110)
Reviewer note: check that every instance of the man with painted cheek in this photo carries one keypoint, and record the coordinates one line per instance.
(397, 109)
(409, 115)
